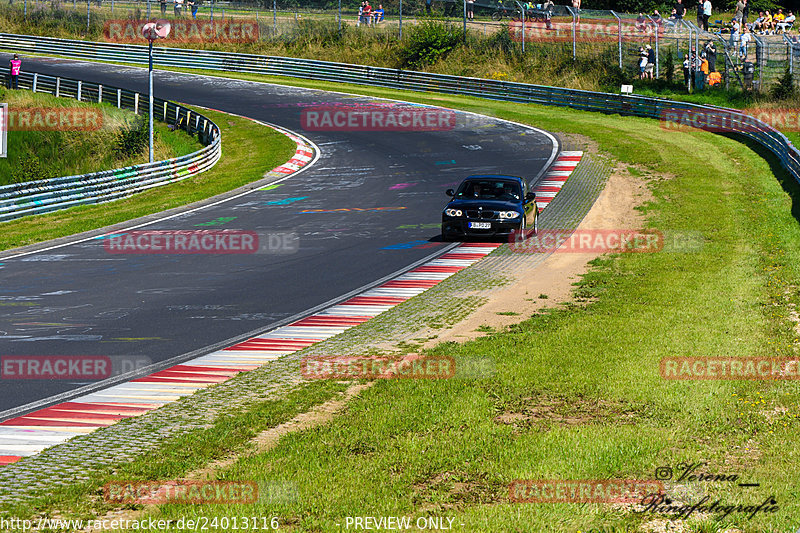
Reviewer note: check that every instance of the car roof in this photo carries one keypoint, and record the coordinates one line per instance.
(494, 176)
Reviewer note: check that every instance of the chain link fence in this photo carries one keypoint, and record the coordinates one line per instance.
(591, 35)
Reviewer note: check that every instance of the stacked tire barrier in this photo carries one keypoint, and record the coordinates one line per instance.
(733, 121)
(42, 196)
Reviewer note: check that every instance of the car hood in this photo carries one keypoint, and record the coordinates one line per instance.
(494, 205)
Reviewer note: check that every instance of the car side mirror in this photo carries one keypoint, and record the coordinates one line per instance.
(530, 197)
(450, 192)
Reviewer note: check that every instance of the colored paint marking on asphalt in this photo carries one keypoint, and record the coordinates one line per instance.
(29, 434)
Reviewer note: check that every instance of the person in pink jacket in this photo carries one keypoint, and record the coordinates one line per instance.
(16, 66)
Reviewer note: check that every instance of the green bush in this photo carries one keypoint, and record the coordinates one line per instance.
(29, 168)
(427, 43)
(784, 88)
(668, 66)
(133, 138)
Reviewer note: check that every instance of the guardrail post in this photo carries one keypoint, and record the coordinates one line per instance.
(35, 80)
(136, 103)
(58, 86)
(574, 43)
(80, 86)
(99, 93)
(188, 118)
(522, 12)
(619, 33)
(177, 113)
(165, 112)
(119, 98)
(655, 27)
(400, 20)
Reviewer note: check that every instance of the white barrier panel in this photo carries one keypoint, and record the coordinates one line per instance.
(3, 130)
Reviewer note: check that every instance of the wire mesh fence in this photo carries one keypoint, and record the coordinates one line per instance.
(592, 35)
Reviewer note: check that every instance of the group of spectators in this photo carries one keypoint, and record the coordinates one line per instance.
(369, 16)
(177, 7)
(703, 64)
(769, 24)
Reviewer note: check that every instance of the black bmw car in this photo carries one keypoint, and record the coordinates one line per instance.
(489, 206)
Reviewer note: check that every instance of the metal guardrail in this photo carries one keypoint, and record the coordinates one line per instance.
(640, 106)
(42, 196)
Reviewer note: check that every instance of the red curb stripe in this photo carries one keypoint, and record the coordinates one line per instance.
(410, 283)
(331, 321)
(9, 459)
(375, 300)
(438, 268)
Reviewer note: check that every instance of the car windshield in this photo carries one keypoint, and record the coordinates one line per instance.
(490, 189)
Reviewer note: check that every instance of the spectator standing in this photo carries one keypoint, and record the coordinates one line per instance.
(706, 14)
(177, 7)
(15, 65)
(428, 5)
(367, 13)
(651, 62)
(745, 11)
(163, 7)
(746, 37)
(360, 14)
(699, 13)
(642, 63)
(193, 6)
(711, 55)
(576, 6)
(735, 28)
(680, 10)
(686, 69)
(739, 11)
(470, 14)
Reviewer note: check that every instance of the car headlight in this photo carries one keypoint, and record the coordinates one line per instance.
(452, 212)
(508, 214)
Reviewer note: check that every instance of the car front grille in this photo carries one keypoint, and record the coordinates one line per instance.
(481, 215)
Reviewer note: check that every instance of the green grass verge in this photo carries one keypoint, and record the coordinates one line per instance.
(249, 150)
(50, 154)
(577, 393)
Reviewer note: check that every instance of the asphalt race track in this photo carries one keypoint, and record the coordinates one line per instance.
(367, 208)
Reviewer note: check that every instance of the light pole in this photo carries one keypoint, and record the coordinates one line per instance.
(151, 32)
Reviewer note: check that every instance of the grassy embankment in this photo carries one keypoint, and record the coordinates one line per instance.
(434, 47)
(250, 150)
(577, 392)
(50, 153)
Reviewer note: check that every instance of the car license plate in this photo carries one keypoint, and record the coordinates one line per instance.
(480, 225)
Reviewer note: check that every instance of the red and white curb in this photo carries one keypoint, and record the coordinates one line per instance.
(29, 434)
(555, 178)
